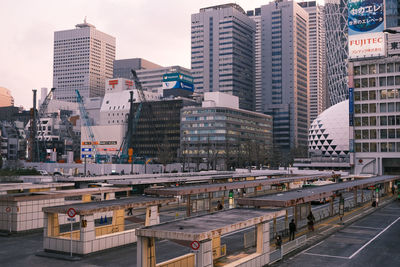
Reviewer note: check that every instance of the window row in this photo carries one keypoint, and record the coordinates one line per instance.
(372, 121)
(372, 95)
(373, 134)
(377, 68)
(372, 107)
(372, 82)
(378, 147)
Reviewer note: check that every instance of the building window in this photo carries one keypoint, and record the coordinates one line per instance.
(372, 134)
(372, 147)
(384, 147)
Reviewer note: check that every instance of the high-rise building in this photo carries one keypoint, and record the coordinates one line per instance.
(317, 56)
(376, 119)
(123, 67)
(284, 65)
(149, 74)
(223, 52)
(83, 60)
(6, 99)
(336, 50)
(256, 16)
(392, 13)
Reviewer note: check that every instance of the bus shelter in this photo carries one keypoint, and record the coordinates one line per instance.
(300, 200)
(201, 234)
(97, 225)
(23, 211)
(204, 196)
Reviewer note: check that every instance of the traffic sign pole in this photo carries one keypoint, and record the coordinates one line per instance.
(71, 239)
(71, 212)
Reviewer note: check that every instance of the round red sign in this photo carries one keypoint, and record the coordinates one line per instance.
(195, 245)
(8, 209)
(71, 212)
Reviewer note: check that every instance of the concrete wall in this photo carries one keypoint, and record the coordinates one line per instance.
(98, 244)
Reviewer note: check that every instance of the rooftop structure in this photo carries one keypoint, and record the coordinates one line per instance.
(6, 99)
(83, 59)
(292, 198)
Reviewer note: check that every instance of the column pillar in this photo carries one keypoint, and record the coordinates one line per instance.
(146, 253)
(295, 214)
(263, 240)
(331, 210)
(210, 208)
(152, 216)
(188, 206)
(204, 255)
(355, 196)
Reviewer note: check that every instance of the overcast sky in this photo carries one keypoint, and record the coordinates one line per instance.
(156, 30)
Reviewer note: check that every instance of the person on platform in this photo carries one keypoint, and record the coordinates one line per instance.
(311, 220)
(219, 205)
(292, 230)
(278, 242)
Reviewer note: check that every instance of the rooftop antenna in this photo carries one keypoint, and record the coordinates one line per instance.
(84, 21)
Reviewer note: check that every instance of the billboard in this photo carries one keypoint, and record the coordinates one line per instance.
(178, 85)
(366, 25)
(177, 81)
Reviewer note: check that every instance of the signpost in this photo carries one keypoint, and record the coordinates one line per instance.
(195, 245)
(71, 214)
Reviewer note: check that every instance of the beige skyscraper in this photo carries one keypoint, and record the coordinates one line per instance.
(6, 99)
(317, 58)
(83, 60)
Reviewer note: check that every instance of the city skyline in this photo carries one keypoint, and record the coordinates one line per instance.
(27, 55)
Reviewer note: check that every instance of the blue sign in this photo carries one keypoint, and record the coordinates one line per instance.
(86, 149)
(365, 16)
(86, 155)
(351, 100)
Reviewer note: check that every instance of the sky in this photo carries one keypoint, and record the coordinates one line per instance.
(156, 30)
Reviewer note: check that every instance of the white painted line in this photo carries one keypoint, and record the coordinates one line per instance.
(375, 228)
(326, 230)
(330, 256)
(369, 242)
(353, 218)
(313, 246)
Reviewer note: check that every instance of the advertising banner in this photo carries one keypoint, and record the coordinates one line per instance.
(366, 23)
(178, 85)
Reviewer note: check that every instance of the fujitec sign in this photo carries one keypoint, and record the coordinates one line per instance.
(366, 23)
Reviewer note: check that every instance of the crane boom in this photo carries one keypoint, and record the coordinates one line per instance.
(86, 122)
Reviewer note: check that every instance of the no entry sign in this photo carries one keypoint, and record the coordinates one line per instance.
(8, 209)
(71, 212)
(195, 245)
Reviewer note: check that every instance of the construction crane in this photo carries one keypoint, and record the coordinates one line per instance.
(87, 124)
(40, 115)
(149, 110)
(126, 149)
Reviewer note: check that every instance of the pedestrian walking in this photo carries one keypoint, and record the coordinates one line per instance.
(292, 230)
(130, 211)
(278, 242)
(311, 220)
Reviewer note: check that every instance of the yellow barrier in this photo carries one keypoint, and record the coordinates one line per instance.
(187, 260)
(86, 198)
(76, 235)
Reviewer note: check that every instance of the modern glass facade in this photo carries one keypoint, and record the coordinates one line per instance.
(284, 72)
(158, 129)
(336, 50)
(377, 115)
(222, 52)
(222, 134)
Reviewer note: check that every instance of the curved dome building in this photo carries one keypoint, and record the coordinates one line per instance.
(329, 132)
(6, 99)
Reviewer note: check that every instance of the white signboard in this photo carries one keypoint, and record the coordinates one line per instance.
(367, 45)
